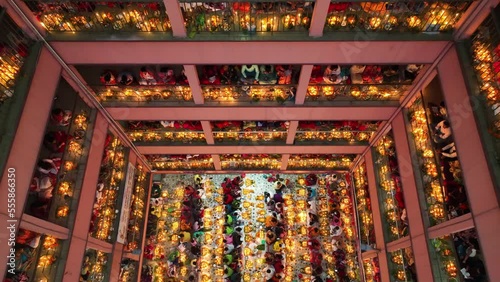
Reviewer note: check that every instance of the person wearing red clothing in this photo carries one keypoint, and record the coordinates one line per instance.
(210, 75)
(55, 141)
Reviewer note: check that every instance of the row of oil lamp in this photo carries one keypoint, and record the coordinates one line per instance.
(165, 233)
(181, 93)
(199, 137)
(265, 23)
(71, 160)
(346, 207)
(137, 211)
(371, 92)
(133, 19)
(436, 19)
(229, 94)
(298, 163)
(47, 258)
(8, 74)
(487, 76)
(316, 163)
(335, 135)
(105, 207)
(257, 163)
(212, 248)
(371, 270)
(443, 248)
(421, 137)
(205, 164)
(387, 184)
(295, 213)
(363, 204)
(399, 262)
(168, 136)
(250, 136)
(94, 266)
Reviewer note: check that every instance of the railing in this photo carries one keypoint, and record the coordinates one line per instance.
(166, 136)
(392, 16)
(248, 18)
(97, 16)
(13, 52)
(143, 94)
(333, 136)
(329, 162)
(103, 225)
(360, 92)
(39, 261)
(486, 63)
(181, 162)
(250, 162)
(252, 137)
(390, 190)
(254, 93)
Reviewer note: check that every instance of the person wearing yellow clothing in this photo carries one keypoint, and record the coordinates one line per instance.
(185, 237)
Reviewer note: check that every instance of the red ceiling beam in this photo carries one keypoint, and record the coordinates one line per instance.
(253, 113)
(365, 50)
(176, 150)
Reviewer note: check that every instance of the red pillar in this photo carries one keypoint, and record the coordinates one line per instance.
(175, 16)
(87, 197)
(377, 218)
(414, 212)
(26, 144)
(483, 199)
(318, 19)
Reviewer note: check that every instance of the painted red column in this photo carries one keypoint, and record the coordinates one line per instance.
(377, 218)
(207, 130)
(417, 229)
(292, 131)
(318, 19)
(194, 83)
(483, 199)
(26, 145)
(175, 16)
(87, 197)
(305, 76)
